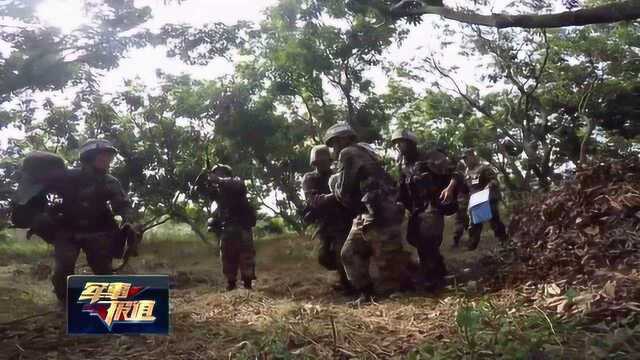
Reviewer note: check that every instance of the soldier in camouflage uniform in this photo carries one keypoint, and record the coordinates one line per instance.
(333, 219)
(478, 177)
(232, 222)
(426, 181)
(363, 186)
(83, 216)
(461, 218)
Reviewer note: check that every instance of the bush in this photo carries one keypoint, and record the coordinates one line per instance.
(270, 226)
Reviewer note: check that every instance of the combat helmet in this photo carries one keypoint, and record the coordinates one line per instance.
(94, 146)
(317, 151)
(226, 168)
(402, 134)
(339, 129)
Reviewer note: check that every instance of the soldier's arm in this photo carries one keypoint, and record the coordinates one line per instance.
(119, 200)
(404, 196)
(309, 191)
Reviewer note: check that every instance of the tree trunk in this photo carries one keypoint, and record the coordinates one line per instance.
(584, 146)
(609, 13)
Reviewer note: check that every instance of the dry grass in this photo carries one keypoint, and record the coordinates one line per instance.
(292, 313)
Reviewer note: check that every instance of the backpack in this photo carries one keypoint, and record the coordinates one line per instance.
(30, 199)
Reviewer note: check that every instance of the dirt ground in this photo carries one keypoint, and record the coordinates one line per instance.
(292, 313)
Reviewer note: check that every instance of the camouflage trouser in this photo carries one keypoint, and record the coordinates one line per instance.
(475, 230)
(96, 246)
(331, 242)
(237, 253)
(461, 220)
(384, 244)
(425, 232)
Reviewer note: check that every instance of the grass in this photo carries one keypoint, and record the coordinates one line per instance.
(15, 248)
(294, 313)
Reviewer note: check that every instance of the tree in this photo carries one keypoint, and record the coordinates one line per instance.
(595, 78)
(42, 58)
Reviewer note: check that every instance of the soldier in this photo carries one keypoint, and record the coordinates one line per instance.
(363, 186)
(232, 222)
(461, 218)
(333, 219)
(478, 177)
(426, 182)
(83, 217)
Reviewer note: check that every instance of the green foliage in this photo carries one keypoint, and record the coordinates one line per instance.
(14, 248)
(273, 345)
(270, 226)
(489, 331)
(43, 58)
(302, 69)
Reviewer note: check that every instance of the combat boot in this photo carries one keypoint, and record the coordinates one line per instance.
(345, 288)
(366, 296)
(231, 285)
(247, 284)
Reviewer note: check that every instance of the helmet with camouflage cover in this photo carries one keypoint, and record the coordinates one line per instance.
(226, 169)
(403, 134)
(319, 151)
(339, 129)
(92, 147)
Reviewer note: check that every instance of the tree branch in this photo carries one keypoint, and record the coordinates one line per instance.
(609, 13)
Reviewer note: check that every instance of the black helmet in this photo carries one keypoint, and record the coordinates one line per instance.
(92, 147)
(225, 168)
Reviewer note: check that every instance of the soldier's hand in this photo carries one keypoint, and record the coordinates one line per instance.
(446, 195)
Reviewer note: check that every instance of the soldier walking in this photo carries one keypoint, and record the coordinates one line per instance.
(332, 219)
(363, 186)
(83, 217)
(461, 217)
(479, 177)
(427, 190)
(232, 222)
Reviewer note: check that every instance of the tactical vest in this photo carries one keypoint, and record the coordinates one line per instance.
(424, 179)
(233, 205)
(85, 200)
(476, 179)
